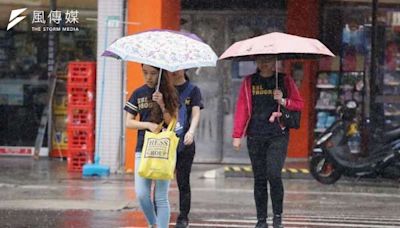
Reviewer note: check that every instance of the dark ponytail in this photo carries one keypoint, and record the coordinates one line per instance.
(187, 77)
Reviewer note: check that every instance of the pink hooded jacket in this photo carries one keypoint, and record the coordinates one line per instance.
(294, 102)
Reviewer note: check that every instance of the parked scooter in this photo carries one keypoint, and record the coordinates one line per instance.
(339, 151)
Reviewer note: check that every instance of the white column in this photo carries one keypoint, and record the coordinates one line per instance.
(109, 103)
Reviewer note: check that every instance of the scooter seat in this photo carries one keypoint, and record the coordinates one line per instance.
(392, 134)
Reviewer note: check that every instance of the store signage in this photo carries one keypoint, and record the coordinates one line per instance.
(22, 151)
(53, 21)
(10, 150)
(113, 21)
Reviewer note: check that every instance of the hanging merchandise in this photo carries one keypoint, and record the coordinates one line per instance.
(354, 138)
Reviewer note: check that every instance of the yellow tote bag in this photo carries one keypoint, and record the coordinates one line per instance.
(159, 154)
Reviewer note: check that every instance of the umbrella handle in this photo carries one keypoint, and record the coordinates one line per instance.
(159, 81)
(276, 82)
(276, 73)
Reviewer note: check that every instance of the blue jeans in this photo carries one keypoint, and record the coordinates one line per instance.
(161, 214)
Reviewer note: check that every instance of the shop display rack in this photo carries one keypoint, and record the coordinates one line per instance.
(389, 95)
(334, 89)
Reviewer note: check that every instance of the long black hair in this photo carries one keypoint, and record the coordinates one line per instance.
(170, 97)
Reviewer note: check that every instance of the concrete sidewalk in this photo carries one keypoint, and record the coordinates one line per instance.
(28, 184)
(293, 169)
(46, 183)
(26, 170)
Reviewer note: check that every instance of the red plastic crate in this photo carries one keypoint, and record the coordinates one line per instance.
(77, 158)
(82, 73)
(81, 96)
(87, 87)
(80, 138)
(80, 116)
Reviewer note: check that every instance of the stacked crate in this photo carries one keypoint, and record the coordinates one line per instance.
(81, 92)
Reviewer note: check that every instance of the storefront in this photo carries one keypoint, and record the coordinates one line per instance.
(221, 23)
(24, 68)
(365, 69)
(345, 26)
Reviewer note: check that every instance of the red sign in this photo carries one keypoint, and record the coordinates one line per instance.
(10, 150)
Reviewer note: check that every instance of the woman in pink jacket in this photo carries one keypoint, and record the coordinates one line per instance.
(266, 141)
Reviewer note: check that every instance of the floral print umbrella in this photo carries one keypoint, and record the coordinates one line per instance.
(166, 49)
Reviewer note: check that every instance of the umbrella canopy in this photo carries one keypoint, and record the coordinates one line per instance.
(281, 45)
(166, 49)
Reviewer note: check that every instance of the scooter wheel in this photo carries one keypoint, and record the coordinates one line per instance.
(323, 171)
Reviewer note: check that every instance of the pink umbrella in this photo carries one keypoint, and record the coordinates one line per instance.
(279, 45)
(282, 45)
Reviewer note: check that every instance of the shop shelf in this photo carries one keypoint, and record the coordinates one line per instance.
(326, 86)
(394, 99)
(325, 107)
(319, 130)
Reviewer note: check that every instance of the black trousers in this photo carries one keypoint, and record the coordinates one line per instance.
(183, 168)
(267, 157)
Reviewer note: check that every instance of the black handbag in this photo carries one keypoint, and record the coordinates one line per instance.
(290, 119)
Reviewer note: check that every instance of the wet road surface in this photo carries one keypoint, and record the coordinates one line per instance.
(42, 194)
